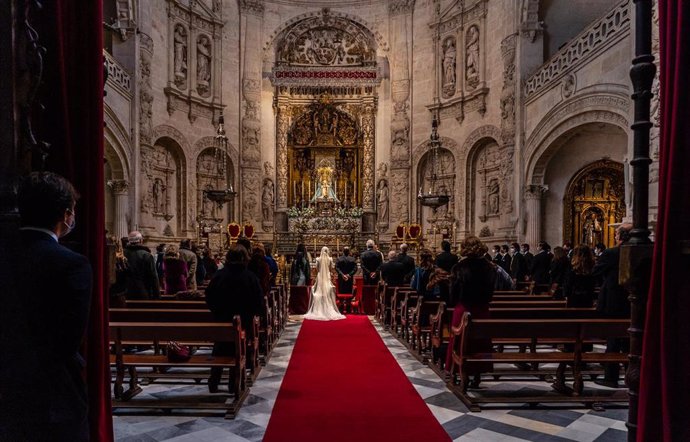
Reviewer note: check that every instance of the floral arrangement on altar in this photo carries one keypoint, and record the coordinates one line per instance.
(310, 212)
(307, 220)
(296, 212)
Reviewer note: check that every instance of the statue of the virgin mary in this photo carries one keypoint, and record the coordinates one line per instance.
(324, 188)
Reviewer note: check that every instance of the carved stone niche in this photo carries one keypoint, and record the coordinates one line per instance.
(461, 60)
(194, 36)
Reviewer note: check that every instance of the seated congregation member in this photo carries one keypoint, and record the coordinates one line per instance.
(259, 267)
(371, 261)
(159, 257)
(300, 271)
(407, 261)
(578, 281)
(541, 264)
(558, 270)
(142, 278)
(175, 272)
(234, 290)
(422, 273)
(446, 260)
(472, 283)
(613, 300)
(393, 271)
(272, 264)
(190, 258)
(42, 390)
(346, 266)
(518, 263)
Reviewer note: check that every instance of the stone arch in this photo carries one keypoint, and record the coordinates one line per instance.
(269, 46)
(204, 143)
(474, 145)
(118, 147)
(178, 137)
(541, 145)
(422, 148)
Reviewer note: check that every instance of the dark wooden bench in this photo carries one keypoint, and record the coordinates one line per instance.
(190, 315)
(527, 304)
(171, 304)
(523, 297)
(399, 296)
(421, 327)
(175, 331)
(575, 331)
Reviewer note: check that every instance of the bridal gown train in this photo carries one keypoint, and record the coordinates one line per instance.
(323, 306)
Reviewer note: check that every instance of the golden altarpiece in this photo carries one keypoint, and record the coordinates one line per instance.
(594, 204)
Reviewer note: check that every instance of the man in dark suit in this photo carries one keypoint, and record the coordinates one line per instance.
(446, 260)
(613, 300)
(518, 264)
(393, 271)
(541, 264)
(505, 259)
(42, 391)
(529, 256)
(371, 262)
(407, 261)
(346, 266)
(233, 290)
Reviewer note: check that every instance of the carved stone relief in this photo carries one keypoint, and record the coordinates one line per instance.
(267, 204)
(488, 182)
(145, 93)
(400, 194)
(445, 184)
(180, 56)
(251, 179)
(326, 40)
(472, 60)
(159, 198)
(203, 65)
(448, 67)
(194, 36)
(382, 203)
(508, 91)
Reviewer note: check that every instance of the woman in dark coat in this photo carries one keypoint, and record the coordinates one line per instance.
(300, 271)
(472, 283)
(560, 265)
(259, 267)
(421, 275)
(578, 287)
(174, 272)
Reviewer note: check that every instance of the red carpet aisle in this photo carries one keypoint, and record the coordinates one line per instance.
(343, 384)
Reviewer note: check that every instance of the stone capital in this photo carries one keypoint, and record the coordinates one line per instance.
(535, 191)
(118, 186)
(252, 7)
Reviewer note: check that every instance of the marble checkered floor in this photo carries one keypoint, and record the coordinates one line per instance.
(522, 424)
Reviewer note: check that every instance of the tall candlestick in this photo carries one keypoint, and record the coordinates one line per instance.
(337, 244)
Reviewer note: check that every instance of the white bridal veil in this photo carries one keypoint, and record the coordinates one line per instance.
(323, 306)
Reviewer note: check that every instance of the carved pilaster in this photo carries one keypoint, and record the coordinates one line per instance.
(145, 91)
(508, 90)
(282, 126)
(369, 147)
(120, 212)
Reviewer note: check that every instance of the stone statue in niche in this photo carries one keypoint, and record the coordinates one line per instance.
(203, 64)
(382, 199)
(592, 230)
(267, 198)
(180, 61)
(492, 192)
(268, 168)
(472, 57)
(449, 53)
(158, 193)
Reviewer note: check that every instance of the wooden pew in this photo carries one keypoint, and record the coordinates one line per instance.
(523, 297)
(399, 295)
(527, 304)
(407, 306)
(154, 303)
(383, 306)
(577, 331)
(193, 316)
(175, 331)
(421, 327)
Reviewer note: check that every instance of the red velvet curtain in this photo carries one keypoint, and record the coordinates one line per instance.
(665, 379)
(72, 31)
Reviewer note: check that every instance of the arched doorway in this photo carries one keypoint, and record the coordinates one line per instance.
(593, 202)
(444, 217)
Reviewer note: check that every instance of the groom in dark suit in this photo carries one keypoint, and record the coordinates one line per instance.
(346, 266)
(42, 391)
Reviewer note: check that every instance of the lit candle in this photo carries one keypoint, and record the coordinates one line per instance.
(337, 244)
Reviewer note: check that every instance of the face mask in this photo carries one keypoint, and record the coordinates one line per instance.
(70, 227)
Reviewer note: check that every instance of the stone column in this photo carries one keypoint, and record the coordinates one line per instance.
(251, 23)
(533, 197)
(282, 126)
(121, 195)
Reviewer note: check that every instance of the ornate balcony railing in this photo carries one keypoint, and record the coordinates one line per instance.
(117, 75)
(589, 43)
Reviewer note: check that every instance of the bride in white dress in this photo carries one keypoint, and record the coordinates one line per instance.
(323, 306)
